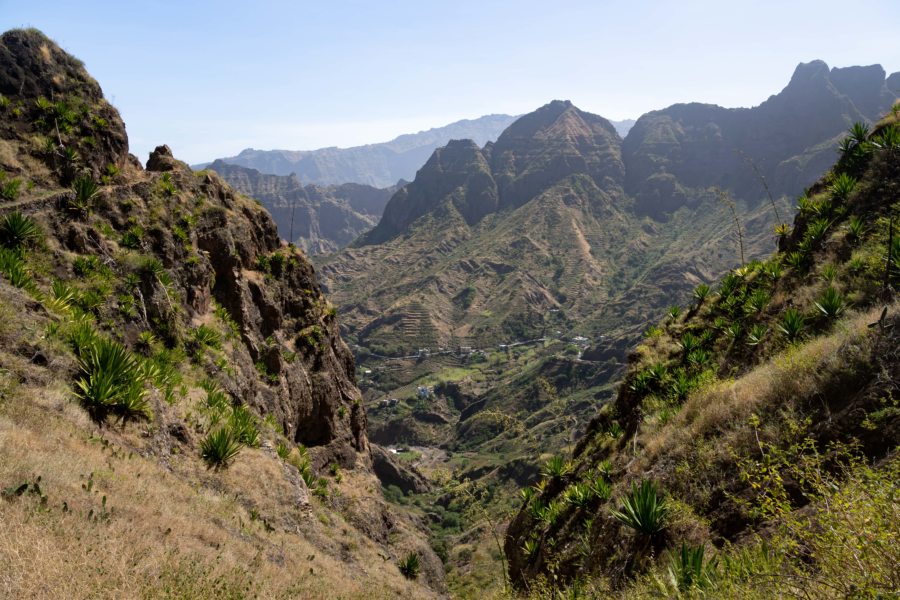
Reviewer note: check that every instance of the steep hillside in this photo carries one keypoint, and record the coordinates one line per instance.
(315, 218)
(178, 413)
(379, 165)
(751, 450)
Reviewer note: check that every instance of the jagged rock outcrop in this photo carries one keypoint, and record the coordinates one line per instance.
(318, 219)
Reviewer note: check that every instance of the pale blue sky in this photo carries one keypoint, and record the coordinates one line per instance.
(212, 78)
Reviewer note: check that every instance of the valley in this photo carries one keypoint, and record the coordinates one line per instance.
(516, 357)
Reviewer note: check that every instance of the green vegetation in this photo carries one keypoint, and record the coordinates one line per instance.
(111, 381)
(644, 510)
(18, 231)
(219, 447)
(409, 565)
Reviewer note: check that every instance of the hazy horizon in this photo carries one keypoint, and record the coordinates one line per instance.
(211, 79)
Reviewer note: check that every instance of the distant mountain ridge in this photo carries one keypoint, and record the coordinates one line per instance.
(380, 164)
(318, 219)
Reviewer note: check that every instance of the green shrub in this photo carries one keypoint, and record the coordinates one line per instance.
(12, 265)
(219, 448)
(687, 570)
(9, 187)
(831, 303)
(86, 190)
(644, 510)
(18, 231)
(791, 324)
(243, 426)
(409, 565)
(701, 292)
(111, 381)
(556, 466)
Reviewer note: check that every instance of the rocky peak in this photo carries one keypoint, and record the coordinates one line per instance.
(50, 90)
(537, 151)
(458, 173)
(551, 143)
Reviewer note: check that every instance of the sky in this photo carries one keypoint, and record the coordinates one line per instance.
(212, 78)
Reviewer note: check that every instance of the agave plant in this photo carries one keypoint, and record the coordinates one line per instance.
(556, 466)
(12, 265)
(888, 139)
(600, 487)
(682, 385)
(701, 292)
(791, 324)
(579, 495)
(688, 571)
(526, 494)
(816, 231)
(796, 260)
(531, 547)
(842, 186)
(831, 303)
(757, 302)
(219, 448)
(756, 334)
(644, 509)
(688, 343)
(856, 227)
(86, 189)
(894, 258)
(111, 381)
(642, 383)
(699, 358)
(829, 272)
(409, 565)
(674, 312)
(18, 231)
(243, 426)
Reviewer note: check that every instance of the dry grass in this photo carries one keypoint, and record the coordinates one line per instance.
(169, 528)
(725, 408)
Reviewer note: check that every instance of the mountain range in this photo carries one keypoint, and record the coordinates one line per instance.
(379, 165)
(561, 223)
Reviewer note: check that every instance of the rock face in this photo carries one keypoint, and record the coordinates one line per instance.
(378, 165)
(674, 153)
(391, 472)
(318, 219)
